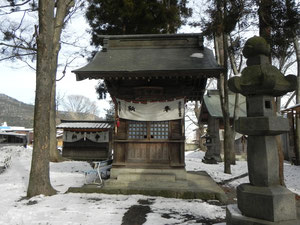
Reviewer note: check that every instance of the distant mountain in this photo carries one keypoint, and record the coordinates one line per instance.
(20, 114)
(15, 113)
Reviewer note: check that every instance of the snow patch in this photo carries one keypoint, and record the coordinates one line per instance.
(90, 209)
(197, 55)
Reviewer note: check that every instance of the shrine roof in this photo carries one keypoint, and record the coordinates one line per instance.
(151, 55)
(213, 106)
(86, 124)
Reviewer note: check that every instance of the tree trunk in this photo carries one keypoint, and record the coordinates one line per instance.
(58, 22)
(54, 154)
(197, 111)
(297, 144)
(39, 180)
(236, 108)
(281, 159)
(51, 20)
(265, 19)
(229, 153)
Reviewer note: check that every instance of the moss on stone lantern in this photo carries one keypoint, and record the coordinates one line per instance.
(260, 77)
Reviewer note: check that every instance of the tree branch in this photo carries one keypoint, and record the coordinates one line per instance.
(21, 20)
(16, 5)
(31, 67)
(194, 122)
(287, 66)
(16, 56)
(11, 12)
(18, 46)
(65, 68)
(290, 99)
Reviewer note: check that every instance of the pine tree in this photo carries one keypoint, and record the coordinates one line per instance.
(117, 17)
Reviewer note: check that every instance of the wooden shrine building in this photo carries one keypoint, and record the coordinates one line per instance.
(150, 78)
(86, 140)
(211, 114)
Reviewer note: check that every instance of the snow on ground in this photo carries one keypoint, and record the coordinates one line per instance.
(193, 163)
(292, 177)
(71, 208)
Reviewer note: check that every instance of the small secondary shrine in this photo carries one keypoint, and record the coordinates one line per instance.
(86, 140)
(150, 78)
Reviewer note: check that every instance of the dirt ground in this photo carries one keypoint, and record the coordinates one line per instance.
(136, 214)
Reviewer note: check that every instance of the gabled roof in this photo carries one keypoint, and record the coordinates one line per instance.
(212, 104)
(143, 56)
(77, 124)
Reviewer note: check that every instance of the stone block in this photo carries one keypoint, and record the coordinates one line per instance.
(129, 177)
(260, 106)
(262, 125)
(180, 174)
(274, 203)
(235, 217)
(263, 163)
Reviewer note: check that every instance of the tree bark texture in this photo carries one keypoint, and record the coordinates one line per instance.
(265, 28)
(221, 47)
(197, 111)
(265, 19)
(229, 152)
(51, 21)
(281, 159)
(39, 180)
(58, 23)
(54, 154)
(297, 144)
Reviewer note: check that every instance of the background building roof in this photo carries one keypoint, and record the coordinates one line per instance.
(212, 105)
(73, 124)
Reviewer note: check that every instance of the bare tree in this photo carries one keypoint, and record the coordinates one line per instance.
(80, 107)
(193, 114)
(19, 32)
(52, 18)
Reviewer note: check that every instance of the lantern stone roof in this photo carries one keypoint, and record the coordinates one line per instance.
(160, 55)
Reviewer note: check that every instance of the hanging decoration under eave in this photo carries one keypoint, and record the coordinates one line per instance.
(74, 136)
(150, 111)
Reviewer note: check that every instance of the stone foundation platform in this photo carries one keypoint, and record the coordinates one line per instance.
(158, 182)
(235, 217)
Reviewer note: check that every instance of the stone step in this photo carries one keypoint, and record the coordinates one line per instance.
(129, 177)
(147, 184)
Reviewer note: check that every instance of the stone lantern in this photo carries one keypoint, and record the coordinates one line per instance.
(263, 200)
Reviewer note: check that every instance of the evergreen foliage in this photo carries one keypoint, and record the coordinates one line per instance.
(283, 17)
(107, 17)
(285, 24)
(232, 13)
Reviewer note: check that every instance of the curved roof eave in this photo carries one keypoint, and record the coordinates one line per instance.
(151, 55)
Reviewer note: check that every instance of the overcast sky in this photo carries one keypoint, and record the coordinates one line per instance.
(18, 81)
